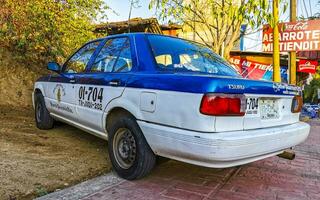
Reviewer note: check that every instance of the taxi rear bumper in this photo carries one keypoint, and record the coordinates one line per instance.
(224, 149)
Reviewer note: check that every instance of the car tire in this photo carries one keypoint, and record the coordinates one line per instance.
(42, 116)
(130, 154)
(161, 160)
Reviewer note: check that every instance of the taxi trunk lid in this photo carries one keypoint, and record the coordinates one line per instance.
(268, 110)
(268, 104)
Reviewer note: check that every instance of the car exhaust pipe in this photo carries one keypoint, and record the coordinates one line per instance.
(288, 154)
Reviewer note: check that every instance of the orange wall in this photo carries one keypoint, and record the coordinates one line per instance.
(170, 32)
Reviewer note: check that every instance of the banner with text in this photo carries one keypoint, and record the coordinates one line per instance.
(293, 36)
(252, 69)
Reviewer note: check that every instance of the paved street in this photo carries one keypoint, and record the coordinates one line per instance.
(272, 178)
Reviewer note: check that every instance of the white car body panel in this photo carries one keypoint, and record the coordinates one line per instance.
(93, 117)
(177, 109)
(174, 127)
(223, 149)
(64, 105)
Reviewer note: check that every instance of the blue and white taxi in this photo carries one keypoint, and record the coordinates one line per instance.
(153, 95)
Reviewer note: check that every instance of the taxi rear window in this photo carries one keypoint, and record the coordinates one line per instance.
(178, 55)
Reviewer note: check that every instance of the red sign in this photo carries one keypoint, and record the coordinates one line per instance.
(293, 36)
(308, 66)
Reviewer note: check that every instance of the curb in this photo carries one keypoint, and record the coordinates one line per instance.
(84, 189)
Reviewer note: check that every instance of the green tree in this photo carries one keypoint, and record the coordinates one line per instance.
(216, 22)
(41, 30)
(311, 91)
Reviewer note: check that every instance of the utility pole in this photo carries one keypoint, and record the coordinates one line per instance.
(276, 51)
(292, 54)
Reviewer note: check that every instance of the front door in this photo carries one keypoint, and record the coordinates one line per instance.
(61, 89)
(60, 96)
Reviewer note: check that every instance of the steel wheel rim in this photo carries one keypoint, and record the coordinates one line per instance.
(124, 148)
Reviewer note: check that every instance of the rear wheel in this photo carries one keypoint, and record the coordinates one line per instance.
(131, 156)
(162, 160)
(43, 119)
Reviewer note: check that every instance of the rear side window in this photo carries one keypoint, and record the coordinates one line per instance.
(178, 55)
(115, 56)
(164, 59)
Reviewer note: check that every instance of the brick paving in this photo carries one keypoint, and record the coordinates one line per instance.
(272, 178)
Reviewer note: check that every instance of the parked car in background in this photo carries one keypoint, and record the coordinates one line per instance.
(311, 110)
(310, 107)
(315, 107)
(152, 95)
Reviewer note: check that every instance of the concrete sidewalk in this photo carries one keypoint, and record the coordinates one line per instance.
(272, 178)
(85, 188)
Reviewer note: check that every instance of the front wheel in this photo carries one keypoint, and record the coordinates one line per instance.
(42, 116)
(130, 154)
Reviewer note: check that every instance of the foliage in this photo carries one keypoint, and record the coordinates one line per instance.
(42, 30)
(216, 23)
(311, 91)
(40, 190)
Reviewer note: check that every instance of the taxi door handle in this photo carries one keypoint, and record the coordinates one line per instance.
(72, 79)
(115, 83)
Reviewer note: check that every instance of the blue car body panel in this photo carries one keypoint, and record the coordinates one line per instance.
(195, 83)
(144, 74)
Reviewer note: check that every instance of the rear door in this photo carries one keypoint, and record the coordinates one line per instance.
(104, 80)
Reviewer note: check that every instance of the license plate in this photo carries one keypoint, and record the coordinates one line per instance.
(269, 109)
(252, 106)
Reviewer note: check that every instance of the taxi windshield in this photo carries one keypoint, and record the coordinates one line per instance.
(178, 55)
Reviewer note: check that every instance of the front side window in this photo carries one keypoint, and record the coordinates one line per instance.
(178, 55)
(78, 62)
(115, 56)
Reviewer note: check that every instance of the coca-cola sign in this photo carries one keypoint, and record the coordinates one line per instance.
(298, 26)
(294, 36)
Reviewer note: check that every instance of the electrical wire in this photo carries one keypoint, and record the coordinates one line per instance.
(298, 5)
(310, 7)
(305, 7)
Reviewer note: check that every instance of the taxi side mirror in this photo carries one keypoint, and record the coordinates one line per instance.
(53, 66)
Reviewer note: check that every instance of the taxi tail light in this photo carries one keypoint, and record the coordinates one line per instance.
(223, 104)
(297, 103)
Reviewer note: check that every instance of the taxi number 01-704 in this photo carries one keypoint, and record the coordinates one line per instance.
(252, 105)
(91, 97)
